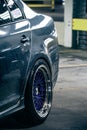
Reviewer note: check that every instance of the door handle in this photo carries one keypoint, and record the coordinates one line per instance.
(25, 46)
(25, 39)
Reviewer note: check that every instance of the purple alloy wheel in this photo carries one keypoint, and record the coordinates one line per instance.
(42, 96)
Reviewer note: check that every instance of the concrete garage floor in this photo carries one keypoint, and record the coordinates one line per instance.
(69, 111)
(70, 93)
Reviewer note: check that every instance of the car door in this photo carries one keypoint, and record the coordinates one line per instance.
(14, 53)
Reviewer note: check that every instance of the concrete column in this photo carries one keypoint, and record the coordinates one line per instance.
(68, 14)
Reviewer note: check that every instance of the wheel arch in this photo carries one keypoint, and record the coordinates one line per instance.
(31, 65)
(37, 114)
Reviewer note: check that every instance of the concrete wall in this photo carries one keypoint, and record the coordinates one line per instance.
(60, 32)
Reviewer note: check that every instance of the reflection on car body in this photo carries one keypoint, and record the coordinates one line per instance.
(28, 60)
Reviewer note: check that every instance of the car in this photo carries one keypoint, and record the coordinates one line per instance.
(28, 61)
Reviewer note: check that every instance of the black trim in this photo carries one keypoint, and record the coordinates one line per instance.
(18, 8)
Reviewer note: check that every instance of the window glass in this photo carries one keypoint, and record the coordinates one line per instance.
(4, 13)
(15, 11)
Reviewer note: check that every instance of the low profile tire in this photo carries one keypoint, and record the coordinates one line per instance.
(38, 97)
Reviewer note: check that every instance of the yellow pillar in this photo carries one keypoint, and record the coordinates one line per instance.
(53, 4)
(79, 24)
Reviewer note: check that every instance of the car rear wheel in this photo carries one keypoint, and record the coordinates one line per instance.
(38, 99)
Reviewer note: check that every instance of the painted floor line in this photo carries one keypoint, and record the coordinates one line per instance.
(71, 66)
(72, 51)
(68, 51)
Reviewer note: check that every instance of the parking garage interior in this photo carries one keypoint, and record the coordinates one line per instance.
(69, 111)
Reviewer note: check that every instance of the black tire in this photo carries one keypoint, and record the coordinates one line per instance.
(38, 96)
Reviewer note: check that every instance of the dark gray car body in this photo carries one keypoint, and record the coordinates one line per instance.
(22, 43)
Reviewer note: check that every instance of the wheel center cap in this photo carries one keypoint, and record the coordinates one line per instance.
(37, 91)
